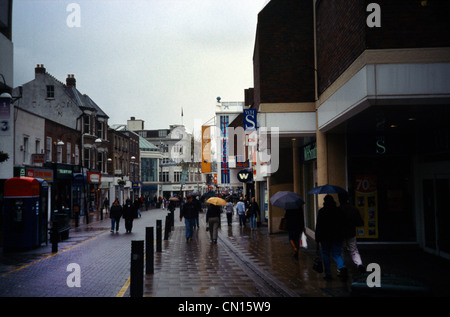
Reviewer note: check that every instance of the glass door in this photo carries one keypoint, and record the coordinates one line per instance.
(436, 207)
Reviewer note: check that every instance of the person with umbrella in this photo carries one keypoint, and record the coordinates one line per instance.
(330, 235)
(295, 221)
(213, 216)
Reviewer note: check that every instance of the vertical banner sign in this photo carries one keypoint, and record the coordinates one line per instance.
(366, 199)
(206, 149)
(224, 131)
(250, 120)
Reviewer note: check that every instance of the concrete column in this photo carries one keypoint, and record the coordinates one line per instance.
(296, 168)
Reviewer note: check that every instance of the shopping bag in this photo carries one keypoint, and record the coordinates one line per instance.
(303, 242)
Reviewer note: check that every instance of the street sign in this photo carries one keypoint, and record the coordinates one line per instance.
(245, 176)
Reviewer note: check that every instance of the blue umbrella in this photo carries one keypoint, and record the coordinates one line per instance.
(287, 200)
(327, 189)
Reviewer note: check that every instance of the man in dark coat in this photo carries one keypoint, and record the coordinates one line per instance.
(330, 234)
(115, 214)
(129, 213)
(188, 211)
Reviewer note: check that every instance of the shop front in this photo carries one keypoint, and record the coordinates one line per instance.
(398, 174)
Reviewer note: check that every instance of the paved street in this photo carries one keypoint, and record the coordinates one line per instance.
(243, 263)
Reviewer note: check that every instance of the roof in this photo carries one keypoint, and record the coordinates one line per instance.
(144, 145)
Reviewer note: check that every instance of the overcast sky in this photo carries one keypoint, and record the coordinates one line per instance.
(142, 58)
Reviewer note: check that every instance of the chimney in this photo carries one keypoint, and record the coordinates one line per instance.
(70, 81)
(40, 69)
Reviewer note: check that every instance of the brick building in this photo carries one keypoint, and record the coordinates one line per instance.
(365, 108)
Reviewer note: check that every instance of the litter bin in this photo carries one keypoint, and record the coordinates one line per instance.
(24, 213)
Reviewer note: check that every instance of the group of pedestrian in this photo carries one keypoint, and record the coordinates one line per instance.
(129, 211)
(335, 228)
(247, 210)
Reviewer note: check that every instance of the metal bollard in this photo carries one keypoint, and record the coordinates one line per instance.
(166, 229)
(54, 237)
(137, 268)
(149, 251)
(158, 235)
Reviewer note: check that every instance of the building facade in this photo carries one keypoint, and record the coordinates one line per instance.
(361, 107)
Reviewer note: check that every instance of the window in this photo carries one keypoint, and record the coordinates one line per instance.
(37, 146)
(77, 155)
(100, 162)
(99, 129)
(164, 177)
(50, 91)
(87, 158)
(68, 153)
(86, 124)
(48, 149)
(177, 177)
(59, 153)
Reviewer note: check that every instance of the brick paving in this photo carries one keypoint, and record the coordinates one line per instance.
(244, 263)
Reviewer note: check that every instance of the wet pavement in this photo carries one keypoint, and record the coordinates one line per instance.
(243, 263)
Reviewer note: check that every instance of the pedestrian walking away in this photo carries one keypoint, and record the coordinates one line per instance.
(229, 208)
(330, 235)
(352, 219)
(213, 221)
(189, 214)
(137, 206)
(115, 214)
(295, 223)
(240, 207)
(198, 208)
(252, 211)
(129, 213)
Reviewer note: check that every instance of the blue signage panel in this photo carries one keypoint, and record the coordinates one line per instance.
(250, 122)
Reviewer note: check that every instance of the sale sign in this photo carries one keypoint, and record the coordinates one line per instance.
(366, 199)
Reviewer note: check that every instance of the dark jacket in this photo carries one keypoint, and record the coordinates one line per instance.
(116, 211)
(129, 212)
(352, 219)
(188, 211)
(330, 224)
(295, 220)
(213, 211)
(253, 209)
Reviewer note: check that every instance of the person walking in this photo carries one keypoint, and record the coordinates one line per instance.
(330, 235)
(295, 223)
(137, 206)
(229, 208)
(353, 219)
(240, 208)
(189, 214)
(129, 213)
(115, 214)
(252, 211)
(213, 220)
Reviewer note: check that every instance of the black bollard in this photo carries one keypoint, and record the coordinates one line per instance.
(166, 229)
(137, 269)
(149, 252)
(54, 237)
(158, 235)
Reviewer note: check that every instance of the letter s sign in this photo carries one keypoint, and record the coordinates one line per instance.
(250, 119)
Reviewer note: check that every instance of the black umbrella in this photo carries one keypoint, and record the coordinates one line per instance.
(327, 189)
(287, 200)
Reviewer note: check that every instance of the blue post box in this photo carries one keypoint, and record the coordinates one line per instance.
(24, 213)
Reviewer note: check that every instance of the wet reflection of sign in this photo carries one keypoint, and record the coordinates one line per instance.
(366, 197)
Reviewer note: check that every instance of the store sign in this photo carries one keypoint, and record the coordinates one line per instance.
(366, 197)
(245, 176)
(94, 178)
(5, 116)
(250, 120)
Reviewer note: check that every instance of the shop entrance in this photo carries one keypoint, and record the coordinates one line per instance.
(436, 211)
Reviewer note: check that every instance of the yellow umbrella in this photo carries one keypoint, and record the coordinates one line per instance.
(216, 201)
